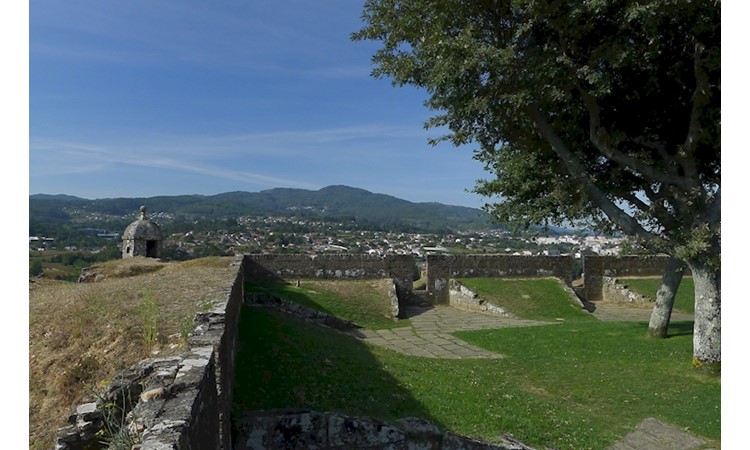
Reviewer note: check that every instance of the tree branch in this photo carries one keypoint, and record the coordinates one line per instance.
(658, 209)
(701, 98)
(713, 213)
(603, 141)
(627, 223)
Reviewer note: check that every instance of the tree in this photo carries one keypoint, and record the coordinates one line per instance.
(602, 111)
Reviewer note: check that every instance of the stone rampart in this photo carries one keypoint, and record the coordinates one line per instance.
(614, 290)
(597, 267)
(177, 403)
(289, 267)
(441, 268)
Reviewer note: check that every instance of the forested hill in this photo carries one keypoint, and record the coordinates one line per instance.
(329, 203)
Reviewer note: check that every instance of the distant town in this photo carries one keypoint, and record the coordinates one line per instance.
(291, 235)
(69, 233)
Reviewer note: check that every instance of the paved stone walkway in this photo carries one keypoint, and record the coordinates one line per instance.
(610, 311)
(430, 332)
(652, 434)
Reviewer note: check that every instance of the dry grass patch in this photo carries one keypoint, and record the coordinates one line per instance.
(82, 334)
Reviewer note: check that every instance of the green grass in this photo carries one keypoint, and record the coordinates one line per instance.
(362, 302)
(683, 301)
(577, 384)
(535, 299)
(611, 372)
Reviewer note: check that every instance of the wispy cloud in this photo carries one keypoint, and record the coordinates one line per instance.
(50, 157)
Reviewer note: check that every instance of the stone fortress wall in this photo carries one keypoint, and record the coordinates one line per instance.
(289, 267)
(596, 268)
(185, 401)
(441, 268)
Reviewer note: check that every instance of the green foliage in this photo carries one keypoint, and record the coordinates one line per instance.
(149, 312)
(603, 112)
(35, 268)
(114, 433)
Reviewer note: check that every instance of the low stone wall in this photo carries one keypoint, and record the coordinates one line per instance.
(597, 267)
(614, 290)
(289, 267)
(441, 268)
(464, 298)
(178, 403)
(302, 430)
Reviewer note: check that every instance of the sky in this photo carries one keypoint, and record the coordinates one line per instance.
(144, 98)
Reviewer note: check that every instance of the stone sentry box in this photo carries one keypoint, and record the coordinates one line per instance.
(142, 237)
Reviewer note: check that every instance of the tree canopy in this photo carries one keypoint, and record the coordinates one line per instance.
(604, 111)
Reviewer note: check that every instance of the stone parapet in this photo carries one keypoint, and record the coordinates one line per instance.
(177, 403)
(597, 267)
(441, 268)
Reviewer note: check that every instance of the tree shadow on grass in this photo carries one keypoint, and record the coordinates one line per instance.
(680, 328)
(283, 362)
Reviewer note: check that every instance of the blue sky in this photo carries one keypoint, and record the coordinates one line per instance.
(170, 97)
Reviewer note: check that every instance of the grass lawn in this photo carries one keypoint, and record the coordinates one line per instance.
(534, 299)
(683, 301)
(574, 384)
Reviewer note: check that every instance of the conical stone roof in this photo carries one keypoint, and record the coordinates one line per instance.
(143, 229)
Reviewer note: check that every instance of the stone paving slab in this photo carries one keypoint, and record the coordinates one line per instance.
(430, 333)
(653, 434)
(610, 311)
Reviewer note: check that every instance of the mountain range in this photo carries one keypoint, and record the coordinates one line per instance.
(329, 203)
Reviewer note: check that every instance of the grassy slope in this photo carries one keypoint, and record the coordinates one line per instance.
(538, 299)
(683, 301)
(81, 334)
(579, 384)
(363, 302)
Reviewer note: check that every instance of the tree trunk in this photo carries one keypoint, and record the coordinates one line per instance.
(707, 327)
(658, 326)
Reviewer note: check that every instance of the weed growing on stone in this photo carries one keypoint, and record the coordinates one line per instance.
(114, 434)
(149, 312)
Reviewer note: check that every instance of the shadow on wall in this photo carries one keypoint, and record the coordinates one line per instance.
(285, 363)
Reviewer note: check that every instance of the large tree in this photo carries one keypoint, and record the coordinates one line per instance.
(607, 111)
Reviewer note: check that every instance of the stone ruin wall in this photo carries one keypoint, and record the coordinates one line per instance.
(442, 268)
(614, 290)
(177, 403)
(595, 268)
(290, 267)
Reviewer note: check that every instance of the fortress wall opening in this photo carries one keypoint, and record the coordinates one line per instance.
(441, 268)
